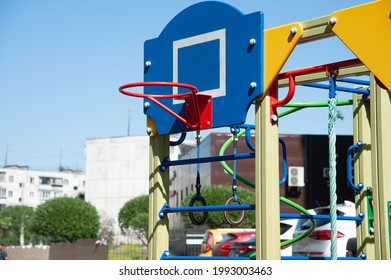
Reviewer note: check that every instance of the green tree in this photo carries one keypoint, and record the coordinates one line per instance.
(67, 219)
(218, 195)
(133, 218)
(15, 224)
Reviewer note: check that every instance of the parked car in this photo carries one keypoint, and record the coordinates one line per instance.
(351, 247)
(248, 248)
(223, 248)
(317, 244)
(213, 236)
(244, 248)
(287, 229)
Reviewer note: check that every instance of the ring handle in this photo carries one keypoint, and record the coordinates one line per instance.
(228, 219)
(123, 89)
(154, 97)
(193, 219)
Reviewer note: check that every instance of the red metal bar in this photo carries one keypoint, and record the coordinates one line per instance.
(303, 71)
(319, 68)
(289, 95)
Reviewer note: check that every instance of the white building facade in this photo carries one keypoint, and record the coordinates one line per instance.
(21, 186)
(117, 170)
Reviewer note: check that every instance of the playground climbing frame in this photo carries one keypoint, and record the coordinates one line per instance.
(264, 55)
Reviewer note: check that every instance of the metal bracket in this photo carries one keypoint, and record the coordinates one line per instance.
(356, 147)
(370, 211)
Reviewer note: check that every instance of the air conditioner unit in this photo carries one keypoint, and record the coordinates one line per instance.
(296, 176)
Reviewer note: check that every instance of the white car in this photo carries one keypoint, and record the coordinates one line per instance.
(287, 229)
(317, 244)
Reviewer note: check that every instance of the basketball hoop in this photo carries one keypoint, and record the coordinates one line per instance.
(191, 98)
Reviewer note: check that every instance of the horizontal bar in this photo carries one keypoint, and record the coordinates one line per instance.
(166, 256)
(358, 218)
(167, 162)
(305, 258)
(316, 29)
(212, 258)
(246, 207)
(354, 70)
(339, 88)
(210, 208)
(354, 81)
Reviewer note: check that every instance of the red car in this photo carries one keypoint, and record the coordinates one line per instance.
(223, 248)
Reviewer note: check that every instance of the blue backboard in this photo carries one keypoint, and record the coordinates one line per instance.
(214, 47)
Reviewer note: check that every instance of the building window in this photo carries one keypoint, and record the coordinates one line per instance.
(57, 194)
(11, 179)
(21, 185)
(2, 176)
(75, 188)
(66, 182)
(10, 193)
(31, 194)
(44, 194)
(3, 192)
(32, 180)
(45, 181)
(20, 199)
(58, 182)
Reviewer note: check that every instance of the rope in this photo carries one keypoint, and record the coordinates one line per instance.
(333, 115)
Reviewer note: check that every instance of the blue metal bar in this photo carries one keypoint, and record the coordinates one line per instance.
(248, 128)
(305, 258)
(167, 162)
(358, 218)
(179, 141)
(236, 207)
(284, 162)
(356, 147)
(166, 256)
(209, 208)
(355, 81)
(364, 92)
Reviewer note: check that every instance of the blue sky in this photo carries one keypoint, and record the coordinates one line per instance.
(61, 63)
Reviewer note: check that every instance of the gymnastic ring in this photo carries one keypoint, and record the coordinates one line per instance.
(226, 213)
(191, 214)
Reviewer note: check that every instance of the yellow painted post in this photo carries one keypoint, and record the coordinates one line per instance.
(266, 183)
(381, 166)
(158, 238)
(363, 172)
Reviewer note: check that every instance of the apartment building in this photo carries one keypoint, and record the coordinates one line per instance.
(21, 186)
